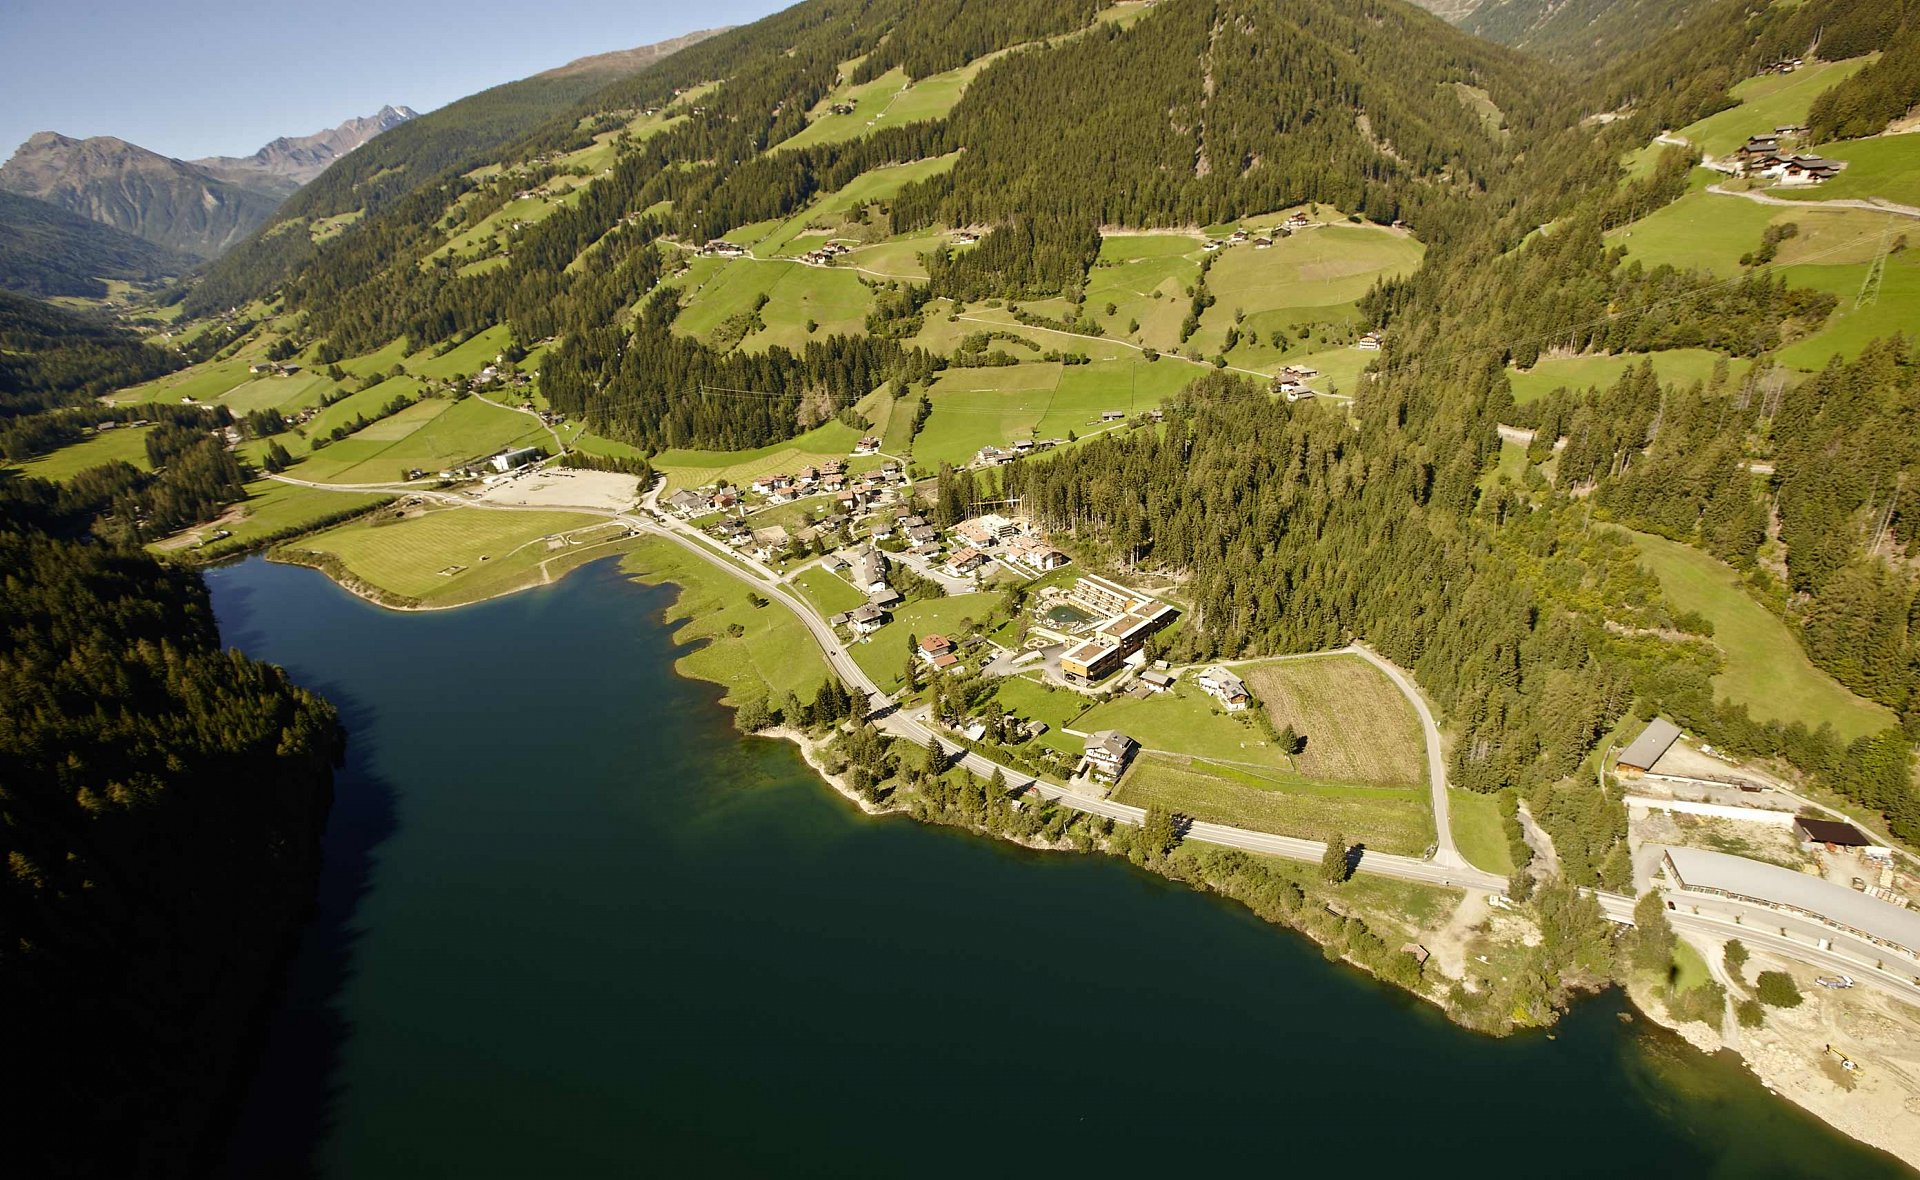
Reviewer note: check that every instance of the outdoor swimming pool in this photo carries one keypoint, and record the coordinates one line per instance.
(1067, 616)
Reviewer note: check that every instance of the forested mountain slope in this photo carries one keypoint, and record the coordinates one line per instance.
(47, 251)
(169, 202)
(1258, 109)
(1579, 32)
(414, 153)
(163, 807)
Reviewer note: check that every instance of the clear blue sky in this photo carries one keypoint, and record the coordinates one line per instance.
(194, 78)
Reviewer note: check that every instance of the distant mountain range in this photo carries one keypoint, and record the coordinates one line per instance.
(303, 157)
(194, 207)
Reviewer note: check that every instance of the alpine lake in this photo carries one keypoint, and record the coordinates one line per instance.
(573, 924)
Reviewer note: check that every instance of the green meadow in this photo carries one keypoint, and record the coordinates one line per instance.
(125, 444)
(1886, 166)
(1765, 668)
(449, 556)
(1679, 365)
(1766, 102)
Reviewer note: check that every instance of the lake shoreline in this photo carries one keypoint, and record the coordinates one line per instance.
(813, 753)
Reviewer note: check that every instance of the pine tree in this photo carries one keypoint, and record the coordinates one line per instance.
(1333, 863)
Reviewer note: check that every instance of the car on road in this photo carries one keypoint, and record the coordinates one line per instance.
(1836, 981)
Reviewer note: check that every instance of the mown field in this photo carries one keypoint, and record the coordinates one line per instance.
(1766, 669)
(1894, 309)
(273, 508)
(1712, 231)
(444, 557)
(1887, 167)
(1358, 726)
(889, 100)
(1478, 832)
(430, 435)
(883, 655)
(1385, 819)
(830, 594)
(686, 468)
(1186, 721)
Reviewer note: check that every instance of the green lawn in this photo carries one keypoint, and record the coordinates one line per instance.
(827, 213)
(276, 393)
(1058, 707)
(455, 555)
(883, 655)
(1766, 102)
(976, 407)
(1185, 720)
(1478, 831)
(1322, 269)
(886, 101)
(773, 654)
(1765, 667)
(202, 382)
(122, 443)
(1679, 365)
(1385, 819)
(365, 403)
(1689, 969)
(468, 357)
(830, 594)
(898, 256)
(1711, 231)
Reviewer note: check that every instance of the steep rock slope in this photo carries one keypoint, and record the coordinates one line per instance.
(169, 202)
(300, 158)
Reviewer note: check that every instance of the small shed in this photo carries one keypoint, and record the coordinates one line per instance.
(1645, 750)
(1831, 832)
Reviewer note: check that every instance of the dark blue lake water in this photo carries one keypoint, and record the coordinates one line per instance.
(573, 924)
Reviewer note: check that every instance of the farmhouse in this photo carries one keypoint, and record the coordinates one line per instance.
(865, 620)
(1717, 874)
(1108, 753)
(1645, 750)
(1225, 687)
(935, 646)
(867, 446)
(1368, 343)
(1156, 680)
(685, 503)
